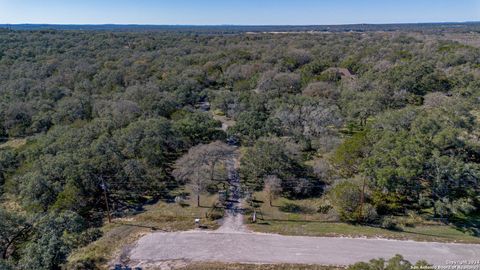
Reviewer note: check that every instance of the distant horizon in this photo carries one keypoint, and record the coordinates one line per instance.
(237, 12)
(152, 24)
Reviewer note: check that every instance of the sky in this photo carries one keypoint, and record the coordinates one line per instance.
(238, 12)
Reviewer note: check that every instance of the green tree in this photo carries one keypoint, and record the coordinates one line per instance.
(14, 230)
(346, 198)
(251, 125)
(268, 156)
(424, 155)
(349, 155)
(198, 128)
(48, 248)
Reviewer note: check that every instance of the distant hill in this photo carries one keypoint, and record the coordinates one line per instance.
(450, 27)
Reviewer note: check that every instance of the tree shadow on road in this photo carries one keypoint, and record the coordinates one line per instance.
(426, 234)
(138, 225)
(266, 220)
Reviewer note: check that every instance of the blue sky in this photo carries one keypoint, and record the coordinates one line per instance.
(244, 12)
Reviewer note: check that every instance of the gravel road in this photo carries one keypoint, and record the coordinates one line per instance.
(232, 222)
(271, 248)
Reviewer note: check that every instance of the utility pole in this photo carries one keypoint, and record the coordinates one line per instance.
(105, 196)
(362, 198)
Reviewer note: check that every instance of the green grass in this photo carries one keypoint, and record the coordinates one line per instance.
(122, 233)
(316, 224)
(314, 228)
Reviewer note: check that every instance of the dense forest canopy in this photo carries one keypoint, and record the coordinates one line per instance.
(316, 115)
(463, 27)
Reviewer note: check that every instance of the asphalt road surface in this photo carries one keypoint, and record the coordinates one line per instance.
(271, 248)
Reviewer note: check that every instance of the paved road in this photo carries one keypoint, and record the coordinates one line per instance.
(271, 248)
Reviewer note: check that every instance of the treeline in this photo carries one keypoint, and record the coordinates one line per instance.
(463, 27)
(325, 114)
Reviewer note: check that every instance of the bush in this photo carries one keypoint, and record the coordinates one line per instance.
(442, 208)
(324, 209)
(463, 205)
(333, 215)
(345, 198)
(83, 264)
(395, 263)
(473, 231)
(412, 219)
(390, 223)
(387, 203)
(84, 238)
(425, 202)
(215, 213)
(369, 213)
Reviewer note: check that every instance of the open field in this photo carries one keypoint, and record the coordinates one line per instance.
(273, 220)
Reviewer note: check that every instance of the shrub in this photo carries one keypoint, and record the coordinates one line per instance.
(386, 203)
(442, 208)
(425, 202)
(390, 223)
(324, 209)
(395, 263)
(345, 198)
(473, 231)
(215, 213)
(463, 205)
(83, 264)
(412, 219)
(369, 213)
(84, 238)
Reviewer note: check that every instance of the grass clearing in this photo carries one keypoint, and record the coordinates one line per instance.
(122, 233)
(14, 143)
(312, 223)
(224, 119)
